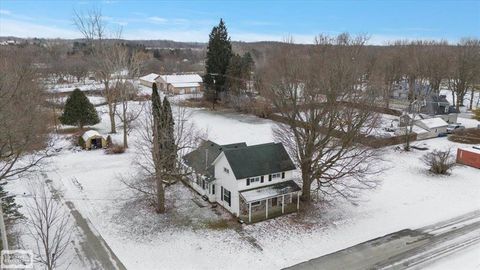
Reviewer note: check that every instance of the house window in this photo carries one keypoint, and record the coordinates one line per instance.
(226, 170)
(276, 175)
(227, 196)
(213, 189)
(253, 180)
(255, 203)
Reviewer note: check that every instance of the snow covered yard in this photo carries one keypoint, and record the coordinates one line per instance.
(188, 237)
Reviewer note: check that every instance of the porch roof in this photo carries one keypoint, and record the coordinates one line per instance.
(270, 191)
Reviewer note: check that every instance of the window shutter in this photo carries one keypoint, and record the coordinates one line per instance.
(248, 181)
(261, 179)
(283, 175)
(269, 177)
(213, 189)
(221, 193)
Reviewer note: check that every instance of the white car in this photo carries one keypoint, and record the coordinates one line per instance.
(454, 127)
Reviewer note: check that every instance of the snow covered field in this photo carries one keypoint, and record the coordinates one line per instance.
(408, 197)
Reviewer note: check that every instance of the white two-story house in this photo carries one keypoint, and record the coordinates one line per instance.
(252, 182)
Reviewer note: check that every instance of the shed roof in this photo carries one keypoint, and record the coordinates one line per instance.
(150, 77)
(258, 160)
(185, 85)
(475, 150)
(265, 192)
(434, 122)
(182, 78)
(90, 133)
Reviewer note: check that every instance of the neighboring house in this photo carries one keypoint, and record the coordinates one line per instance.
(149, 80)
(180, 83)
(93, 140)
(469, 156)
(252, 182)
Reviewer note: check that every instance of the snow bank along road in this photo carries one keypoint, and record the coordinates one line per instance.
(404, 249)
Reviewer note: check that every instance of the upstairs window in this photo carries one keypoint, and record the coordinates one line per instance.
(276, 176)
(226, 170)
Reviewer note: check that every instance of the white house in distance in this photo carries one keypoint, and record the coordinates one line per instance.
(149, 80)
(180, 83)
(251, 182)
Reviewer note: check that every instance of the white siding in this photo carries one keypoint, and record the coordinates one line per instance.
(242, 183)
(228, 181)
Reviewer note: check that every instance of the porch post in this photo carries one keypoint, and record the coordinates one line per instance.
(249, 212)
(283, 203)
(298, 201)
(266, 209)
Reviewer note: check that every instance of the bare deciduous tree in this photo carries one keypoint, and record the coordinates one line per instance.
(49, 226)
(325, 107)
(464, 72)
(186, 138)
(23, 120)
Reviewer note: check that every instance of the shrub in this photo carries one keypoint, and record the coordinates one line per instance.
(439, 162)
(115, 149)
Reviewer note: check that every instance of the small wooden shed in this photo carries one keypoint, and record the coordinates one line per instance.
(469, 156)
(93, 140)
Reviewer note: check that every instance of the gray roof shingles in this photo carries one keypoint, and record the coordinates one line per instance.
(258, 160)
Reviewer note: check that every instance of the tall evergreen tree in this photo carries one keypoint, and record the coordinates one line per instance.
(10, 207)
(169, 146)
(157, 152)
(79, 111)
(219, 52)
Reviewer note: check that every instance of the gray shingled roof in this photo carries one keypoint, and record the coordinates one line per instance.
(201, 158)
(258, 160)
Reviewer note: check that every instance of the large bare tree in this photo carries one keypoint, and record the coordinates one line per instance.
(23, 118)
(465, 65)
(107, 56)
(144, 180)
(325, 106)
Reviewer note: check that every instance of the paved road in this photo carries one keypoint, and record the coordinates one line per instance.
(95, 253)
(403, 249)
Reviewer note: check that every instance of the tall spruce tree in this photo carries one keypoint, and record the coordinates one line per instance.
(79, 111)
(219, 52)
(10, 207)
(169, 146)
(157, 153)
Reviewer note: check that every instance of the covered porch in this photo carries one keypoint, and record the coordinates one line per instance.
(269, 201)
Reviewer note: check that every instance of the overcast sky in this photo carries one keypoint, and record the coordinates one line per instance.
(249, 20)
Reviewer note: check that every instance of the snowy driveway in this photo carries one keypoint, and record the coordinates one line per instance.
(404, 249)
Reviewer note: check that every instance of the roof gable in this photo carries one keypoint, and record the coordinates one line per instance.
(202, 158)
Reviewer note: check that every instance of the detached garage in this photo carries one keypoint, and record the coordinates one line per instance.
(93, 140)
(469, 156)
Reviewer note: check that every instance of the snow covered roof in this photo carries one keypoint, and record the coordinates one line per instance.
(90, 133)
(270, 191)
(150, 77)
(182, 78)
(434, 122)
(475, 150)
(184, 85)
